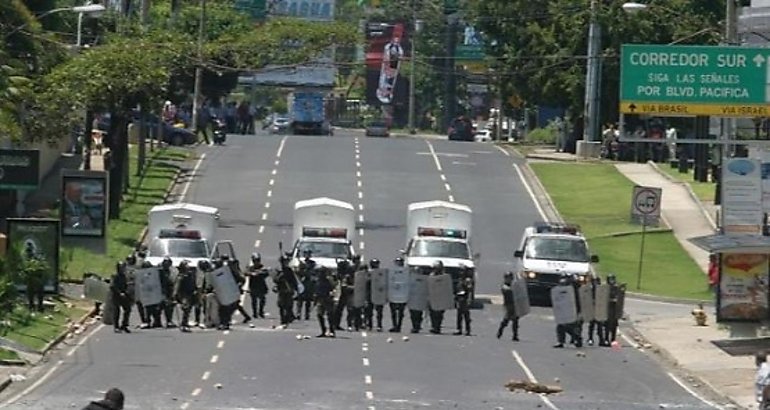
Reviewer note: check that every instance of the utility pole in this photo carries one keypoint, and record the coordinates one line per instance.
(591, 109)
(417, 28)
(199, 69)
(450, 99)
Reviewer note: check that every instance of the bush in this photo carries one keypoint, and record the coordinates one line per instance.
(545, 135)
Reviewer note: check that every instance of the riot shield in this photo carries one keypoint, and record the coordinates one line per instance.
(360, 288)
(108, 311)
(418, 292)
(440, 292)
(586, 303)
(96, 289)
(520, 296)
(621, 301)
(379, 286)
(225, 287)
(211, 318)
(602, 302)
(563, 302)
(398, 285)
(148, 287)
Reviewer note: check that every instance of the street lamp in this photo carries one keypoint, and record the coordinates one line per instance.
(93, 10)
(632, 7)
(417, 29)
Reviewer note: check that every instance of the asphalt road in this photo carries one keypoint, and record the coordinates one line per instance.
(255, 180)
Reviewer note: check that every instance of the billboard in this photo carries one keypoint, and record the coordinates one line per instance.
(84, 203)
(37, 239)
(19, 168)
(743, 285)
(387, 86)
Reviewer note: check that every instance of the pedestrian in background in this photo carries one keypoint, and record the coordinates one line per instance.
(204, 117)
(113, 400)
(762, 377)
(713, 272)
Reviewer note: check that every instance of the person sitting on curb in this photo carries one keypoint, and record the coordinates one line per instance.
(113, 400)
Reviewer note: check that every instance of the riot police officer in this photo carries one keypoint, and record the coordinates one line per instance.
(185, 293)
(509, 306)
(285, 286)
(167, 287)
(131, 265)
(370, 307)
(346, 276)
(613, 310)
(235, 270)
(120, 298)
(436, 316)
(463, 302)
(595, 326)
(397, 309)
(305, 298)
(257, 285)
(323, 294)
(564, 329)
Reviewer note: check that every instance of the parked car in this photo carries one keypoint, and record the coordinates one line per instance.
(377, 128)
(483, 136)
(279, 125)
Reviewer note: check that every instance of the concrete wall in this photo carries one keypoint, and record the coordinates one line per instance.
(49, 154)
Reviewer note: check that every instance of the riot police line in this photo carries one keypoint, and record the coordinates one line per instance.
(211, 292)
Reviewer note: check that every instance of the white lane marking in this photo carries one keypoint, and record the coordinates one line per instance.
(34, 385)
(448, 188)
(83, 341)
(627, 339)
(364, 349)
(261, 228)
(360, 207)
(272, 181)
(435, 157)
(274, 171)
(368, 379)
(189, 181)
(277, 162)
(443, 177)
(507, 154)
(371, 408)
(267, 205)
(264, 216)
(184, 406)
(693, 392)
(358, 164)
(360, 195)
(257, 243)
(269, 194)
(530, 192)
(359, 183)
(206, 375)
(369, 395)
(360, 218)
(361, 232)
(214, 358)
(451, 198)
(358, 156)
(226, 332)
(196, 392)
(220, 344)
(280, 147)
(361, 245)
(358, 174)
(366, 362)
(532, 378)
(363, 334)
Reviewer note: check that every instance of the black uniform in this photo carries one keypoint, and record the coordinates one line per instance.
(186, 294)
(120, 298)
(347, 282)
(436, 316)
(235, 269)
(595, 326)
(509, 304)
(323, 294)
(463, 304)
(613, 311)
(305, 299)
(562, 330)
(258, 288)
(285, 286)
(167, 287)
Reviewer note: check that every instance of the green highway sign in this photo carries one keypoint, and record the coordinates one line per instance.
(726, 81)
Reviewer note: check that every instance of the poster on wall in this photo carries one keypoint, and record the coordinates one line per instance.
(743, 286)
(36, 239)
(387, 53)
(84, 203)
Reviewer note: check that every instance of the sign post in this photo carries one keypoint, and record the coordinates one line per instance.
(645, 204)
(722, 81)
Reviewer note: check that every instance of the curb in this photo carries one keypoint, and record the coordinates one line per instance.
(549, 158)
(5, 383)
(63, 335)
(689, 190)
(668, 299)
(541, 193)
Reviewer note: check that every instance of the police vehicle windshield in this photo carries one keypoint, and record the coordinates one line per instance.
(182, 248)
(558, 249)
(324, 249)
(439, 249)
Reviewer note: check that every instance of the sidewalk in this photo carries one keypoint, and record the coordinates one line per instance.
(667, 328)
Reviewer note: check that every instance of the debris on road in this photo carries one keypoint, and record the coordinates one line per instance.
(528, 386)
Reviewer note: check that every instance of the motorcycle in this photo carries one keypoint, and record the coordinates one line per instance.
(219, 128)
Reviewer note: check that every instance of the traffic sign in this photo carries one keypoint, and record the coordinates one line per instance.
(724, 81)
(645, 204)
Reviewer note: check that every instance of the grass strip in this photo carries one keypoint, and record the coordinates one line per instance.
(6, 354)
(36, 330)
(598, 198)
(145, 192)
(703, 190)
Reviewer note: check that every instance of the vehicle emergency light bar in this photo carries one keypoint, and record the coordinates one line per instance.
(180, 219)
(553, 227)
(445, 233)
(324, 232)
(180, 234)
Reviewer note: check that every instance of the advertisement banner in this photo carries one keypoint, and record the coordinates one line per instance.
(742, 206)
(84, 204)
(743, 285)
(37, 239)
(388, 50)
(19, 168)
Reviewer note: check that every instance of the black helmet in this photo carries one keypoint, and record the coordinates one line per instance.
(508, 275)
(438, 265)
(167, 263)
(256, 258)
(399, 261)
(342, 263)
(611, 279)
(141, 254)
(224, 257)
(564, 280)
(131, 259)
(218, 263)
(204, 265)
(184, 263)
(121, 267)
(374, 263)
(146, 264)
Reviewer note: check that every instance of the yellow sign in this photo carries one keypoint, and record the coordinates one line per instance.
(720, 110)
(515, 101)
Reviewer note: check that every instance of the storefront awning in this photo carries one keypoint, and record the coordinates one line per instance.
(733, 243)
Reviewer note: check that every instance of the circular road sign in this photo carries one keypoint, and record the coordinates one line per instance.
(647, 201)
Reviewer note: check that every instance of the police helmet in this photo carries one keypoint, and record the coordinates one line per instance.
(184, 263)
(204, 265)
(146, 264)
(256, 258)
(399, 261)
(508, 275)
(224, 257)
(374, 263)
(167, 263)
(342, 263)
(438, 265)
(218, 263)
(611, 279)
(141, 254)
(131, 259)
(564, 280)
(121, 267)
